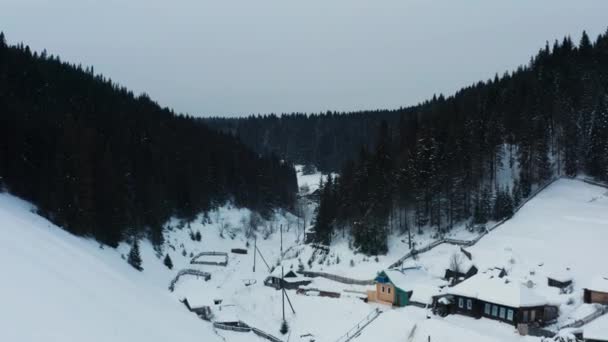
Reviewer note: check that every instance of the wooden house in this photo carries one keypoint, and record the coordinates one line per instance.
(290, 281)
(597, 291)
(597, 330)
(491, 296)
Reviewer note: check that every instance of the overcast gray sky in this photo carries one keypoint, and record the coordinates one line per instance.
(238, 57)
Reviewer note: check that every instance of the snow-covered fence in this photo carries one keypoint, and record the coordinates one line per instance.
(189, 271)
(539, 332)
(356, 330)
(265, 335)
(214, 263)
(238, 326)
(334, 277)
(594, 182)
(244, 328)
(599, 311)
(469, 243)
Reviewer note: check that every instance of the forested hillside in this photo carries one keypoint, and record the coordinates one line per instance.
(102, 162)
(443, 167)
(437, 164)
(326, 140)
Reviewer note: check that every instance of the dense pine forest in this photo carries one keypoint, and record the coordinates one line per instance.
(325, 141)
(102, 162)
(440, 163)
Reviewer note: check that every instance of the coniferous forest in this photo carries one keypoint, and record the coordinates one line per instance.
(102, 162)
(439, 163)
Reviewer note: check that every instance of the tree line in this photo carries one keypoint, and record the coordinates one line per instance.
(325, 140)
(444, 161)
(102, 162)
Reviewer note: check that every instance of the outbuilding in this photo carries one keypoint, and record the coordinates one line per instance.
(560, 279)
(290, 280)
(597, 291)
(401, 287)
(391, 289)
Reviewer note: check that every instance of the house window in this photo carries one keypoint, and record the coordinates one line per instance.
(486, 309)
(532, 315)
(503, 313)
(461, 303)
(494, 310)
(383, 289)
(510, 315)
(388, 289)
(525, 318)
(469, 304)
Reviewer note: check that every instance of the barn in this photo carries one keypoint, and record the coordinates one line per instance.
(597, 291)
(497, 297)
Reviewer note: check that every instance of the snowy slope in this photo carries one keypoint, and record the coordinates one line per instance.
(563, 231)
(57, 287)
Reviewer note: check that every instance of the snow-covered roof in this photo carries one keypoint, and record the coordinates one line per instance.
(562, 275)
(597, 329)
(412, 279)
(464, 263)
(397, 278)
(599, 284)
(289, 278)
(489, 287)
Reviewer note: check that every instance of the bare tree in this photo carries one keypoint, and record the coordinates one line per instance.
(456, 262)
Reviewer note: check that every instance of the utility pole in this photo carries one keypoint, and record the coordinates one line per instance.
(281, 227)
(283, 292)
(255, 250)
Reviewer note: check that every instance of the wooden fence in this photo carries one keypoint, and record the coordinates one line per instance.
(334, 277)
(194, 260)
(600, 311)
(188, 271)
(237, 327)
(594, 182)
(245, 328)
(356, 330)
(469, 243)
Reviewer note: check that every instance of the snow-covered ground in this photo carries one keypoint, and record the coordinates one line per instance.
(411, 324)
(561, 232)
(55, 279)
(57, 287)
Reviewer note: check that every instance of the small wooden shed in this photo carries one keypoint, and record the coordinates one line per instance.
(290, 281)
(597, 291)
(391, 288)
(560, 280)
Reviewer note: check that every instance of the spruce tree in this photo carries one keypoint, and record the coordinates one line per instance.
(134, 258)
(168, 262)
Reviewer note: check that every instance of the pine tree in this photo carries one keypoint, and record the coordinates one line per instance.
(168, 262)
(134, 258)
(198, 236)
(284, 328)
